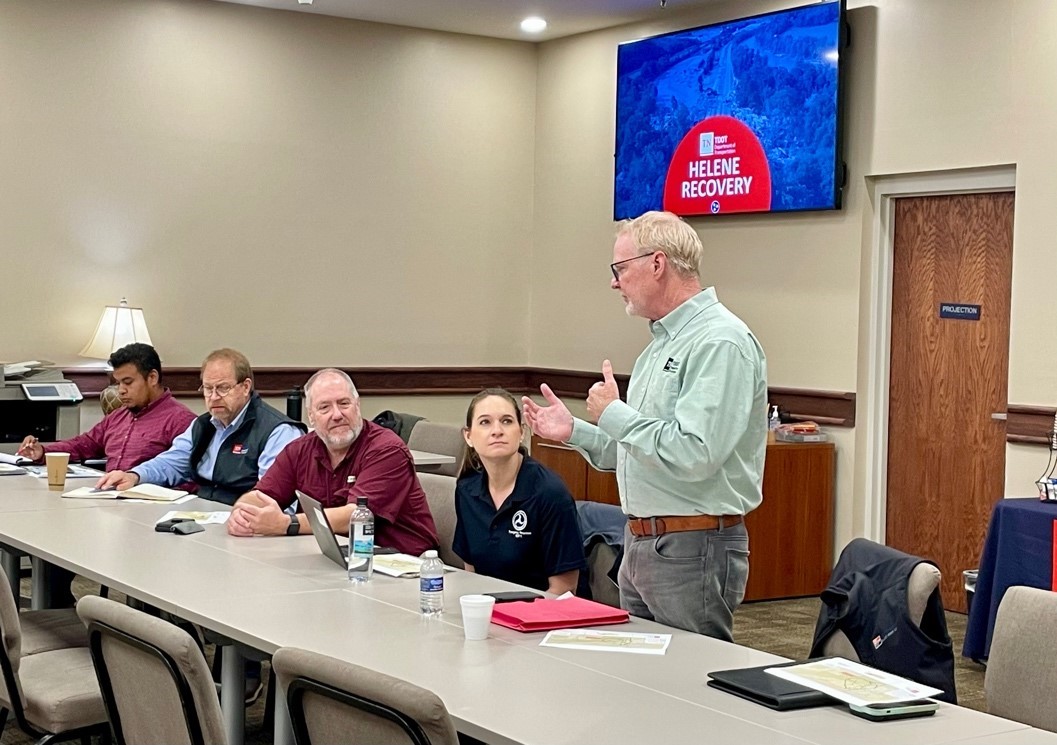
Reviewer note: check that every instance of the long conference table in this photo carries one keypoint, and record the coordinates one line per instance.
(269, 593)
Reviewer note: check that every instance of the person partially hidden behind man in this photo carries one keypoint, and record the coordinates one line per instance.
(146, 424)
(320, 463)
(226, 450)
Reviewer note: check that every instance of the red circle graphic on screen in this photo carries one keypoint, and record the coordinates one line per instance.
(719, 167)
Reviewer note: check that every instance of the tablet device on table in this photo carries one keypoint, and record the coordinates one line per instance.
(758, 686)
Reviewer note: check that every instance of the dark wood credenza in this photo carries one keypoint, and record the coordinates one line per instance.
(790, 534)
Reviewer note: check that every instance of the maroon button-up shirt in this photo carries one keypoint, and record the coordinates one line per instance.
(126, 438)
(385, 474)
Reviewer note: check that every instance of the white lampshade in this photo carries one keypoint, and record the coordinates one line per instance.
(118, 326)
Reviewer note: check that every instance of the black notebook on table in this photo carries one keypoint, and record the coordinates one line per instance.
(759, 686)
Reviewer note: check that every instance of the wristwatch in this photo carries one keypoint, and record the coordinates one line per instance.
(294, 527)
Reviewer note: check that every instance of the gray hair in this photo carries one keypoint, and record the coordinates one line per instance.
(326, 371)
(668, 233)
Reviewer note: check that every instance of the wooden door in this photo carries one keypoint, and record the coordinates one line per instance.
(946, 450)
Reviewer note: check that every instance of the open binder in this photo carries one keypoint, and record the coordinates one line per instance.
(547, 613)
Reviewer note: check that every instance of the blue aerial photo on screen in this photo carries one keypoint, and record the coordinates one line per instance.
(776, 73)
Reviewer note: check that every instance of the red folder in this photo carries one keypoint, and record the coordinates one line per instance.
(547, 613)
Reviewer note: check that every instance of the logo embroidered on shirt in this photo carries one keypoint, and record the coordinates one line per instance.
(880, 639)
(672, 365)
(239, 449)
(519, 522)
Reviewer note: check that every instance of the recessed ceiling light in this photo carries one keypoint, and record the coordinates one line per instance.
(533, 25)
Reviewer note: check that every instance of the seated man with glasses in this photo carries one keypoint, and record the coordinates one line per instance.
(226, 450)
(320, 464)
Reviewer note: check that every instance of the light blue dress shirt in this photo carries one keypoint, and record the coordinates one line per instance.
(174, 465)
(692, 437)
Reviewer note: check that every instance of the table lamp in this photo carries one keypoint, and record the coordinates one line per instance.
(119, 326)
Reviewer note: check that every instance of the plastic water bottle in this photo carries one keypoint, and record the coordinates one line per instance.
(431, 584)
(361, 542)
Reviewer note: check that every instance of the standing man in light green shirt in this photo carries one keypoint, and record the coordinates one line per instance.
(688, 445)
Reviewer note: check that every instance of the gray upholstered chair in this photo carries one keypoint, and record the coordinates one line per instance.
(332, 701)
(920, 585)
(600, 558)
(440, 493)
(53, 693)
(1022, 669)
(154, 680)
(445, 439)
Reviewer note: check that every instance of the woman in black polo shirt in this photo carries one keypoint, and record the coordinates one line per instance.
(515, 519)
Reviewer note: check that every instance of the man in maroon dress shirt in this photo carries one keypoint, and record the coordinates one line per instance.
(147, 423)
(144, 426)
(319, 464)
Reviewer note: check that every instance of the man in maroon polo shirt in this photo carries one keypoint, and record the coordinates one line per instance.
(320, 463)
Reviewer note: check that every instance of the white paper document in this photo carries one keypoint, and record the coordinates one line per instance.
(73, 471)
(853, 682)
(202, 518)
(13, 460)
(607, 641)
(6, 469)
(397, 565)
(148, 492)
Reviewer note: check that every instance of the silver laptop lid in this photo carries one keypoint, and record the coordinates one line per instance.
(325, 538)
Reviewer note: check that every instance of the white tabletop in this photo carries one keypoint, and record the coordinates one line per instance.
(274, 592)
(28, 493)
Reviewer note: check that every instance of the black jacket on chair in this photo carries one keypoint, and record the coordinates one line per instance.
(867, 600)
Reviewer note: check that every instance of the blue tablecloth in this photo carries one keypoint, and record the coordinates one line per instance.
(1019, 551)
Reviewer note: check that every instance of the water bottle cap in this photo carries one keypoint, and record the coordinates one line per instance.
(361, 501)
(431, 554)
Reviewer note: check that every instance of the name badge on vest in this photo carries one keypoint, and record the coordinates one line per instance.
(239, 449)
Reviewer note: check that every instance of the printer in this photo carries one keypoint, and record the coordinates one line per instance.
(36, 400)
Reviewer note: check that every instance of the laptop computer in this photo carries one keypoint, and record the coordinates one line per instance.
(325, 538)
(760, 687)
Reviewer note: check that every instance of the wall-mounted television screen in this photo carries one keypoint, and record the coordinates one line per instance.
(743, 116)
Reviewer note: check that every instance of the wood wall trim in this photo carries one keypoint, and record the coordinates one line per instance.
(1032, 425)
(830, 408)
(1027, 424)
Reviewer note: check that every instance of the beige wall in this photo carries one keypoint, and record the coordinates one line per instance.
(932, 86)
(447, 199)
(310, 190)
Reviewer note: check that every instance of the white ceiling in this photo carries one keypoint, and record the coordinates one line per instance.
(496, 18)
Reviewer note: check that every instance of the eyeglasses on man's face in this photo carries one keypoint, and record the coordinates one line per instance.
(221, 391)
(617, 266)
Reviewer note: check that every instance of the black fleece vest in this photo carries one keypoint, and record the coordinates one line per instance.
(867, 600)
(235, 471)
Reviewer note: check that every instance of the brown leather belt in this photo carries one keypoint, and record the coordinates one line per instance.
(643, 526)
